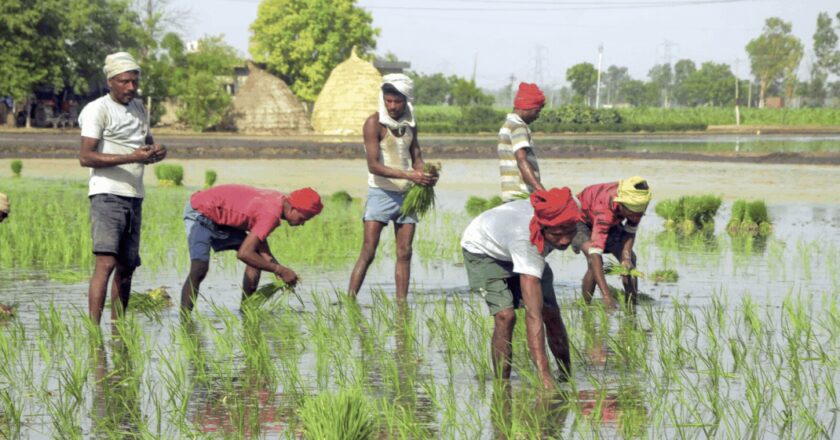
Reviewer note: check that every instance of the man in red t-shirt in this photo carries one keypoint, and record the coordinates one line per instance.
(610, 214)
(239, 217)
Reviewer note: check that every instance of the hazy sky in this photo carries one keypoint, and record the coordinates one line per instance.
(537, 40)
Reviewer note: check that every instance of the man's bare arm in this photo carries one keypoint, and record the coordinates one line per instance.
(529, 176)
(90, 157)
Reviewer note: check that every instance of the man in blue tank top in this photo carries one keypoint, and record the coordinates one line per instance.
(394, 162)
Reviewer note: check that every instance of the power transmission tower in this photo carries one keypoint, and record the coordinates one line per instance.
(667, 56)
(737, 108)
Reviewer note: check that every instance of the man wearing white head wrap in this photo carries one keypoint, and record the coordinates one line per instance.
(397, 83)
(116, 145)
(394, 163)
(118, 63)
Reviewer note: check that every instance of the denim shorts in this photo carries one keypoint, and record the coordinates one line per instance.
(203, 234)
(115, 227)
(384, 206)
(615, 239)
(498, 284)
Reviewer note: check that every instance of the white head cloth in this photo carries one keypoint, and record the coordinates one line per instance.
(4, 203)
(405, 86)
(119, 62)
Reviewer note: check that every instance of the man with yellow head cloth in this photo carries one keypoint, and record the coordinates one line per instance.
(610, 214)
(5, 207)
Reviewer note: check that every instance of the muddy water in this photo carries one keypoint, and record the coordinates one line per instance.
(800, 256)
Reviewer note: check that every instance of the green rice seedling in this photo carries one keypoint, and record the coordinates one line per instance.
(420, 199)
(689, 213)
(739, 211)
(613, 267)
(344, 415)
(17, 167)
(210, 177)
(475, 205)
(749, 218)
(665, 276)
(169, 174)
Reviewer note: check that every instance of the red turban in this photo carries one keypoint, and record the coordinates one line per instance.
(306, 201)
(554, 207)
(528, 97)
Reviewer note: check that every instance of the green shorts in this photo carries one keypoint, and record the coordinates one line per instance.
(496, 282)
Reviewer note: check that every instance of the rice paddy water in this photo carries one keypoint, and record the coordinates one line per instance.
(743, 343)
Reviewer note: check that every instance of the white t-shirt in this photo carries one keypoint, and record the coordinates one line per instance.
(121, 129)
(503, 233)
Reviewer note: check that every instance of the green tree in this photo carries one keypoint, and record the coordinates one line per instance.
(583, 78)
(465, 92)
(199, 83)
(712, 85)
(640, 94)
(430, 89)
(613, 78)
(303, 40)
(825, 45)
(775, 54)
(662, 76)
(60, 43)
(682, 70)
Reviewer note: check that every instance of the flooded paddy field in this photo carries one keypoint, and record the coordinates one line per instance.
(745, 343)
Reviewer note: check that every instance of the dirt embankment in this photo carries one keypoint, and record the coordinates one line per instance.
(65, 144)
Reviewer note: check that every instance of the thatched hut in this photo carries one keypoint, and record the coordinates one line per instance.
(265, 104)
(350, 95)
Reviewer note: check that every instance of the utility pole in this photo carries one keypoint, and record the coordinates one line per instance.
(475, 66)
(598, 83)
(538, 63)
(737, 109)
(667, 56)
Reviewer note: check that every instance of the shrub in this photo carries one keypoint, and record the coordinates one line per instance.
(345, 415)
(209, 178)
(169, 174)
(17, 167)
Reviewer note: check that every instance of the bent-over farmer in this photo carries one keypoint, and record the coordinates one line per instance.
(610, 216)
(394, 162)
(520, 172)
(240, 218)
(5, 207)
(116, 145)
(504, 254)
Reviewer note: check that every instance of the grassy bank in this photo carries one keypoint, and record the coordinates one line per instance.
(575, 119)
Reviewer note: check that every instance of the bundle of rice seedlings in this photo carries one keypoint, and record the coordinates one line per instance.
(749, 218)
(169, 174)
(665, 276)
(210, 178)
(613, 267)
(739, 210)
(346, 415)
(475, 205)
(671, 211)
(701, 209)
(493, 202)
(421, 199)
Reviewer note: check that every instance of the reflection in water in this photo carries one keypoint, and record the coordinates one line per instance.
(116, 401)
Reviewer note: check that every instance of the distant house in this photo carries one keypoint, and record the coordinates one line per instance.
(774, 102)
(385, 67)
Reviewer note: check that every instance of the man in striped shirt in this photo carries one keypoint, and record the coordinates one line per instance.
(519, 169)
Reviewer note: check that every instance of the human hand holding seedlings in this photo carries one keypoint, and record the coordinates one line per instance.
(287, 275)
(421, 178)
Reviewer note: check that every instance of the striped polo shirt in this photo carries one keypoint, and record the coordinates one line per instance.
(513, 136)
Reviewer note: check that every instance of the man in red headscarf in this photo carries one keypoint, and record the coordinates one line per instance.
(520, 172)
(239, 217)
(504, 254)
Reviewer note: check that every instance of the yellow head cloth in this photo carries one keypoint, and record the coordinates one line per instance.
(4, 203)
(631, 197)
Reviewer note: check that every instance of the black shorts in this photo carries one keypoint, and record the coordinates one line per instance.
(115, 227)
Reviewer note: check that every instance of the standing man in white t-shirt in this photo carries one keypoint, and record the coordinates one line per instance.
(116, 145)
(504, 254)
